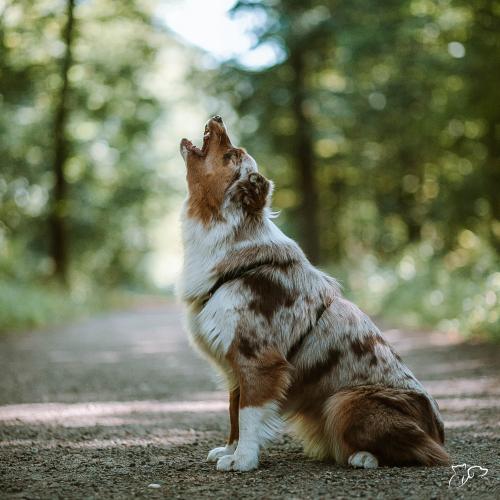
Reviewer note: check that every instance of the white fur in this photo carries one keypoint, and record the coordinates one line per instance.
(221, 451)
(184, 152)
(363, 460)
(257, 427)
(248, 165)
(219, 318)
(203, 249)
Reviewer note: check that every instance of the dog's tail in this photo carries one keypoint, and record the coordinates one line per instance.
(428, 452)
(397, 426)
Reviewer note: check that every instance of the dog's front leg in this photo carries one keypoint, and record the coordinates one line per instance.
(232, 441)
(263, 382)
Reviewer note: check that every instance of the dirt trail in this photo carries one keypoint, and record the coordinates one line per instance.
(112, 406)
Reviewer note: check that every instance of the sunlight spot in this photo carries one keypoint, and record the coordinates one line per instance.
(209, 26)
(169, 438)
(377, 100)
(263, 56)
(436, 297)
(456, 50)
(455, 424)
(465, 387)
(63, 413)
(460, 404)
(407, 268)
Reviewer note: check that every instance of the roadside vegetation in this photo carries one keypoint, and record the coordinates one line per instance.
(418, 291)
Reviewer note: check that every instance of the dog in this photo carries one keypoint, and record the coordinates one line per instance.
(290, 347)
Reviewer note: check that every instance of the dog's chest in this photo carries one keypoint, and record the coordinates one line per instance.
(206, 337)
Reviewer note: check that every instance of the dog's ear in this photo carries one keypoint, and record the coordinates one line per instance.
(253, 192)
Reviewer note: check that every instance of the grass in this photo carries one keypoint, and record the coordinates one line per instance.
(25, 306)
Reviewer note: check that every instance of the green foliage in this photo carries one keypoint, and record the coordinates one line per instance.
(28, 306)
(398, 104)
(460, 293)
(395, 103)
(378, 123)
(114, 191)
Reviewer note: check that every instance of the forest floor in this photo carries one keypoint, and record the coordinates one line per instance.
(119, 406)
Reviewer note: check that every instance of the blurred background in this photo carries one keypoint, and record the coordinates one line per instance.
(378, 121)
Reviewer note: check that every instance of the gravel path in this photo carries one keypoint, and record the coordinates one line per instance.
(120, 406)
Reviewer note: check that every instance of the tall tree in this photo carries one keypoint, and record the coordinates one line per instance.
(481, 71)
(80, 184)
(283, 98)
(304, 156)
(376, 122)
(59, 205)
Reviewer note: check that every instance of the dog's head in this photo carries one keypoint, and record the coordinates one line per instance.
(222, 177)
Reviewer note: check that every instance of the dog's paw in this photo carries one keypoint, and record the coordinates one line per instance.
(221, 451)
(242, 463)
(363, 460)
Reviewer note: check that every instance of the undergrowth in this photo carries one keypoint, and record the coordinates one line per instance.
(458, 292)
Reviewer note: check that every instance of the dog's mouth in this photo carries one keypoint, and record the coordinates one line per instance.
(214, 128)
(189, 146)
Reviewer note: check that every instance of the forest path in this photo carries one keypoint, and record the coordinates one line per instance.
(113, 405)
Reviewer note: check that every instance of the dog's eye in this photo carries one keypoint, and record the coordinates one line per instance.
(228, 156)
(234, 154)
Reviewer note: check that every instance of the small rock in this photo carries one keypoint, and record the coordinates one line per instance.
(154, 485)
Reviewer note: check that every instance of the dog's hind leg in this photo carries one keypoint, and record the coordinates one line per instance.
(379, 425)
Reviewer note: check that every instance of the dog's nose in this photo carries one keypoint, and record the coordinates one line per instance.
(215, 127)
(215, 123)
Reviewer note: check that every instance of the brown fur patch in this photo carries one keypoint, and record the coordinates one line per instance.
(309, 428)
(234, 404)
(366, 345)
(248, 347)
(282, 256)
(207, 193)
(320, 369)
(262, 378)
(398, 426)
(237, 265)
(268, 295)
(234, 154)
(210, 173)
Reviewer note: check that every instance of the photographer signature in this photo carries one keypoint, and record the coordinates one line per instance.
(462, 473)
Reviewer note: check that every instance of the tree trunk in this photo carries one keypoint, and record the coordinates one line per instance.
(304, 160)
(492, 181)
(59, 237)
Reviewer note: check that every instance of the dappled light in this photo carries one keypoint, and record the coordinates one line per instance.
(166, 412)
(156, 416)
(95, 413)
(176, 437)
